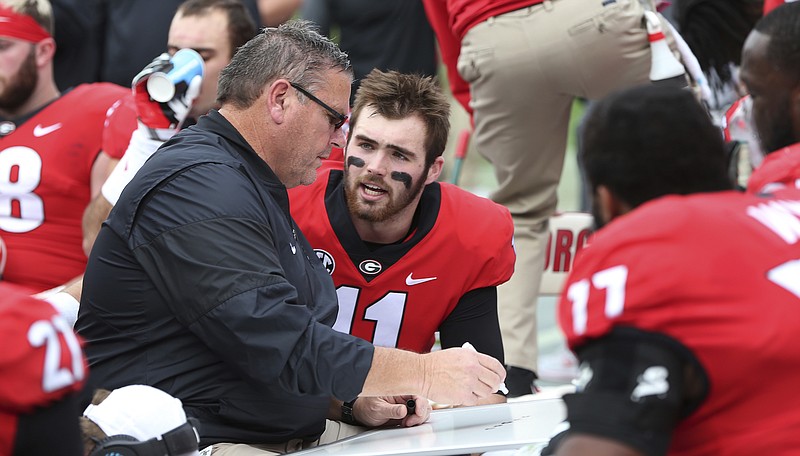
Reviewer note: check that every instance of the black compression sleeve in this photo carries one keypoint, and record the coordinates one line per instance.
(474, 320)
(634, 387)
(50, 430)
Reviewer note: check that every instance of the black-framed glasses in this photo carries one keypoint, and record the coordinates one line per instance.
(340, 118)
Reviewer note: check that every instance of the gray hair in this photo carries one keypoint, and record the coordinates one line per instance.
(295, 50)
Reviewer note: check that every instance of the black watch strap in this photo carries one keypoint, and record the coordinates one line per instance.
(347, 413)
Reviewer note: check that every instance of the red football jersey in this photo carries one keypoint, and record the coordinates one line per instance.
(399, 297)
(45, 171)
(119, 126)
(779, 169)
(770, 5)
(720, 273)
(41, 360)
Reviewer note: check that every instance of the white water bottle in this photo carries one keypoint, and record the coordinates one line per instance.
(665, 69)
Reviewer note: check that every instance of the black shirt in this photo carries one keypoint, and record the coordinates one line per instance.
(199, 284)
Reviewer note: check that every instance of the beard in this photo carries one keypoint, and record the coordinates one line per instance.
(598, 219)
(599, 222)
(778, 136)
(19, 87)
(383, 210)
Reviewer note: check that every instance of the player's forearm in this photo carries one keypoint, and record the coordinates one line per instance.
(94, 215)
(65, 298)
(74, 288)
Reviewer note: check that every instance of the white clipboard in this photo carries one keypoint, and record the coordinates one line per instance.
(456, 431)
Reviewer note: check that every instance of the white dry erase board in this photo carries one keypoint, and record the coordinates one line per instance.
(458, 431)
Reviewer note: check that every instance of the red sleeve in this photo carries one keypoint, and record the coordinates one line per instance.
(42, 360)
(770, 5)
(781, 168)
(449, 48)
(120, 124)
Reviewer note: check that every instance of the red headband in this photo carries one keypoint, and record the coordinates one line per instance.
(20, 26)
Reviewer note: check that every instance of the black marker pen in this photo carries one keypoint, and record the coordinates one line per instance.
(411, 405)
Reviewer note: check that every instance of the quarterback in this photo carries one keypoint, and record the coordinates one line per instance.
(409, 256)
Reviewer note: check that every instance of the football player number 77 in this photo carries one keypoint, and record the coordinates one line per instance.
(613, 280)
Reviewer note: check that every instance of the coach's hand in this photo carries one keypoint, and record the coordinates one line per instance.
(457, 376)
(383, 410)
(461, 376)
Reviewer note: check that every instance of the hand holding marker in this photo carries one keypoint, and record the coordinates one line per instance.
(502, 388)
(411, 406)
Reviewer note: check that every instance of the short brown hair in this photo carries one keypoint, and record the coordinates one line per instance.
(294, 50)
(241, 26)
(396, 95)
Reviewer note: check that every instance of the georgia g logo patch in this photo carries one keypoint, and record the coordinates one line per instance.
(370, 267)
(326, 259)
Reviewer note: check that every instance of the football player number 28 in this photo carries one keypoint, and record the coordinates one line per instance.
(21, 210)
(387, 313)
(48, 333)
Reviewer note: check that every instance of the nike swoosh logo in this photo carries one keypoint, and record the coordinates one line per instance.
(40, 131)
(412, 281)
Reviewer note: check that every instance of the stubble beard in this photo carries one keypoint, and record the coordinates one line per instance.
(381, 211)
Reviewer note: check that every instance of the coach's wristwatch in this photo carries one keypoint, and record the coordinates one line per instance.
(347, 413)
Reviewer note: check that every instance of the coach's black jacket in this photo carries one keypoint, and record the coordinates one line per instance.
(197, 285)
